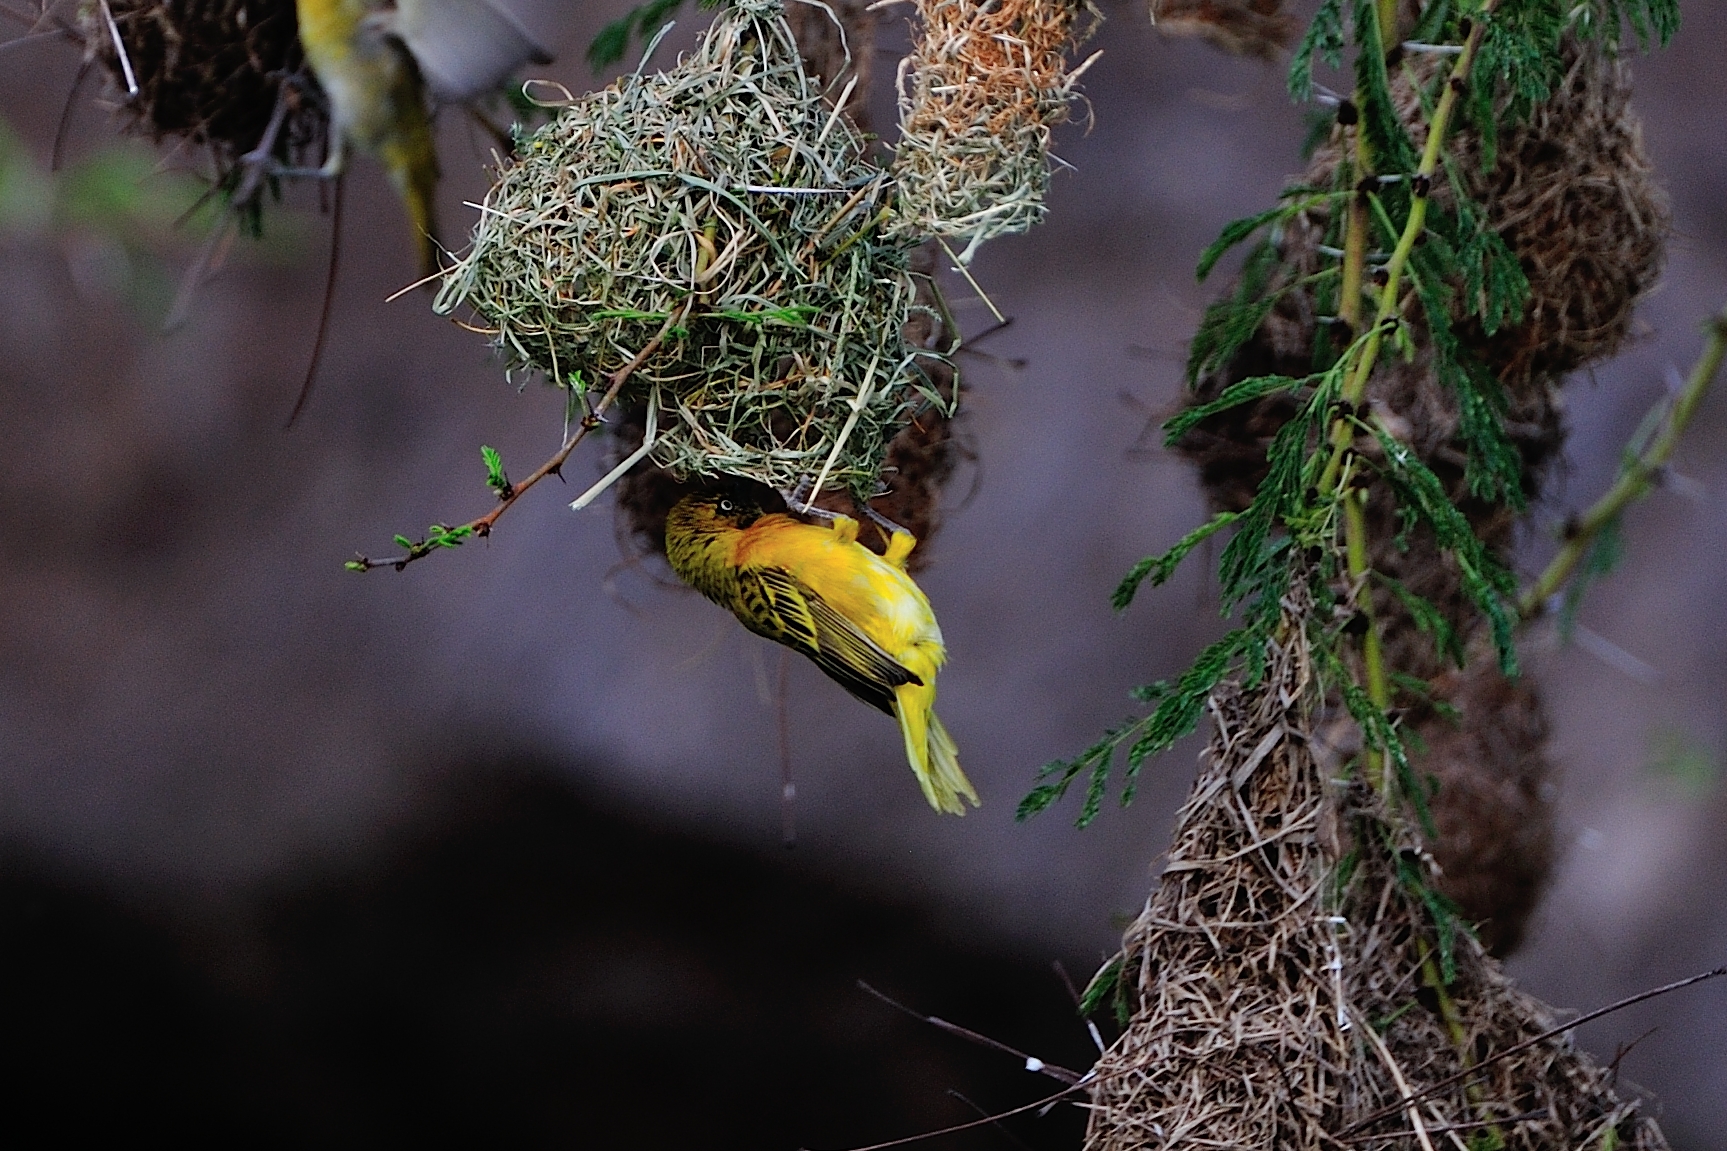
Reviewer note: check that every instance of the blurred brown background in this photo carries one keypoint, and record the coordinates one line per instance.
(358, 854)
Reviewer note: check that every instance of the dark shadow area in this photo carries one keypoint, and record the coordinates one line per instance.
(519, 968)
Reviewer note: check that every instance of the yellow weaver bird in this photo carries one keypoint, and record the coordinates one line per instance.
(377, 102)
(817, 590)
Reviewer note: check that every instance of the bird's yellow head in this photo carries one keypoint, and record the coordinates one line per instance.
(731, 507)
(702, 531)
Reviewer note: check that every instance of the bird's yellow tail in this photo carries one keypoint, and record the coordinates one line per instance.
(934, 758)
(412, 162)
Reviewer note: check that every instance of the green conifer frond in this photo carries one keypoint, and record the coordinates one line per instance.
(1160, 567)
(1324, 40)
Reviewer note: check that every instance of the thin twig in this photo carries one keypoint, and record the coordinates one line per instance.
(255, 165)
(324, 311)
(987, 1120)
(1636, 479)
(29, 20)
(1032, 1062)
(1414, 1112)
(1004, 1132)
(55, 156)
(1589, 1017)
(1386, 320)
(482, 526)
(31, 37)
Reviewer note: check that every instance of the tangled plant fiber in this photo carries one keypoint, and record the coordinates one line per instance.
(209, 72)
(1283, 982)
(985, 82)
(721, 225)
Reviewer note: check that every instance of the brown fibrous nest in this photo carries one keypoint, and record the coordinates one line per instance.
(1286, 985)
(210, 73)
(985, 82)
(1240, 27)
(1572, 193)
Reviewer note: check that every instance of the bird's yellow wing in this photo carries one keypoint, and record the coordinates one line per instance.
(781, 607)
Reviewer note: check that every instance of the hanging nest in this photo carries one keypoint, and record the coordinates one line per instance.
(918, 462)
(1240, 27)
(1286, 985)
(1572, 193)
(210, 73)
(709, 236)
(985, 82)
(921, 456)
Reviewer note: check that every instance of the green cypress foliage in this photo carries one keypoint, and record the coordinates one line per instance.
(1457, 272)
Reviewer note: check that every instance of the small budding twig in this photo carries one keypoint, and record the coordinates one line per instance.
(1637, 478)
(508, 493)
(1420, 188)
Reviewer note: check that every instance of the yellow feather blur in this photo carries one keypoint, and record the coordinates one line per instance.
(377, 102)
(857, 615)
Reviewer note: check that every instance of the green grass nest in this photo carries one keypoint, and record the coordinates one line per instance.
(721, 208)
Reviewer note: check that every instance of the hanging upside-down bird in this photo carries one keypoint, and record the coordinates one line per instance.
(817, 590)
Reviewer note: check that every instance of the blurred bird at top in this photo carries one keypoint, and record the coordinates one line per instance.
(818, 591)
(378, 62)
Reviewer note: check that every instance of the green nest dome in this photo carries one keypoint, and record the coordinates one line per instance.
(706, 242)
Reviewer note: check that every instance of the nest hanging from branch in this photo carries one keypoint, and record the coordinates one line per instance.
(1240, 27)
(916, 466)
(1283, 984)
(921, 456)
(209, 72)
(985, 82)
(1573, 195)
(721, 225)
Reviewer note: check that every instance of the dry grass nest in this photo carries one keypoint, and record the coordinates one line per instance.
(1285, 983)
(1573, 194)
(918, 462)
(209, 72)
(984, 83)
(1240, 27)
(709, 238)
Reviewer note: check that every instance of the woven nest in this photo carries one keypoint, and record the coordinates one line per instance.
(1572, 194)
(985, 82)
(1240, 27)
(918, 462)
(1283, 982)
(708, 235)
(208, 72)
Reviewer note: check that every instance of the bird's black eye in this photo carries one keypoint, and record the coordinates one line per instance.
(727, 506)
